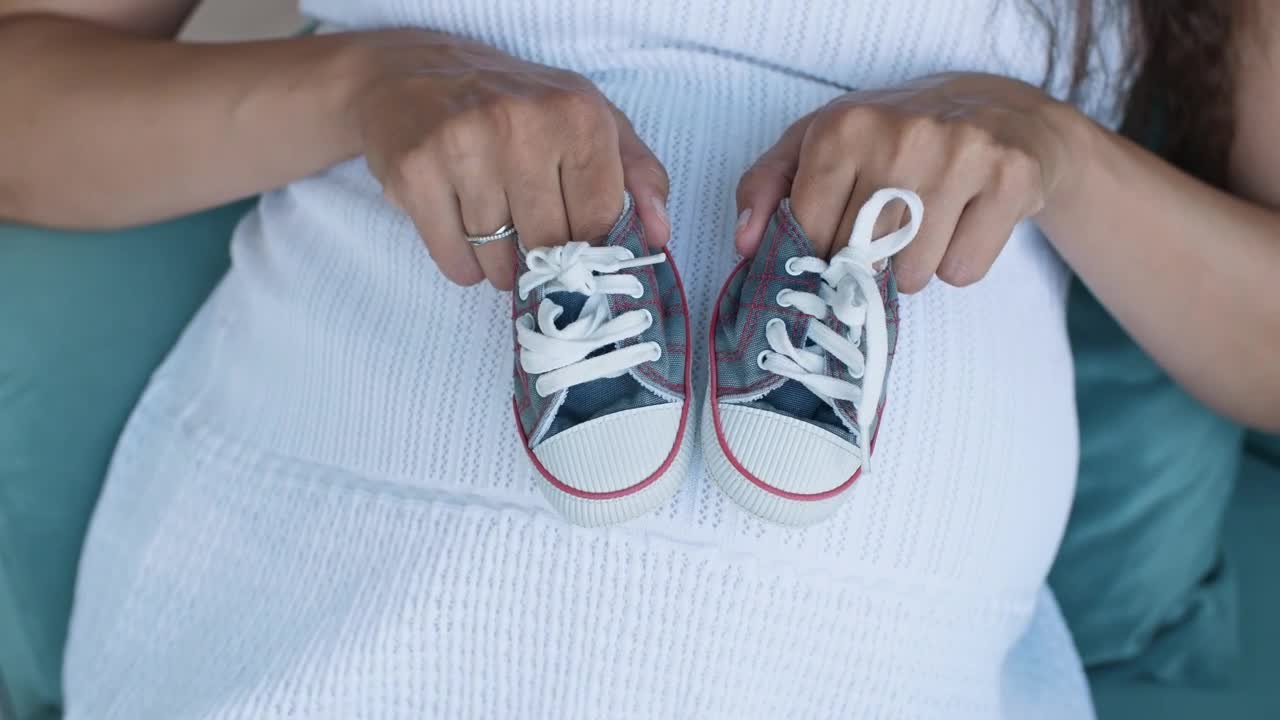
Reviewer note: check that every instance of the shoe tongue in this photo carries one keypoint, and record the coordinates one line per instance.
(790, 397)
(572, 303)
(795, 399)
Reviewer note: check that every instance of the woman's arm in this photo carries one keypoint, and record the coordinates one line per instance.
(109, 122)
(103, 125)
(1191, 272)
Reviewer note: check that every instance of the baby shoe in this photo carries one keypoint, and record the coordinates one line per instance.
(602, 374)
(801, 355)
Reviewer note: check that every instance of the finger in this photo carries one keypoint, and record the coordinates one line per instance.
(483, 206)
(825, 181)
(915, 265)
(435, 213)
(1008, 196)
(765, 184)
(537, 205)
(591, 184)
(981, 233)
(646, 179)
(892, 217)
(498, 260)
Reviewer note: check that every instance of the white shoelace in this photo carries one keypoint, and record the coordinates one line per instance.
(849, 292)
(559, 355)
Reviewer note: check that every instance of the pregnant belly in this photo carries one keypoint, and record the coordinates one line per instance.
(334, 340)
(331, 590)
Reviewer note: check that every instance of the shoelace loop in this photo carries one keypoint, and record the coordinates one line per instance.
(848, 291)
(559, 356)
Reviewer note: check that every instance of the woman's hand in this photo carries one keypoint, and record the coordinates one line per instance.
(982, 151)
(466, 139)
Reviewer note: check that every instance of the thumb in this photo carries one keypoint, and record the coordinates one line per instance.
(646, 179)
(765, 184)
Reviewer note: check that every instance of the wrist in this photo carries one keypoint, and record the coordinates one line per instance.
(1076, 137)
(366, 60)
(357, 64)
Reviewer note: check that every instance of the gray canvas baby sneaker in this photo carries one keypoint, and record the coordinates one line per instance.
(801, 355)
(602, 374)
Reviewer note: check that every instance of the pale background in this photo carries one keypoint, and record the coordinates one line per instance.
(217, 20)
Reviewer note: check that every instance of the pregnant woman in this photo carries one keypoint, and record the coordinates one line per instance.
(320, 507)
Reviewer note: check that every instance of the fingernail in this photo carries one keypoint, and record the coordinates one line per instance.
(660, 207)
(743, 218)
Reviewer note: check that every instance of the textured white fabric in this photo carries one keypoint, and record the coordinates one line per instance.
(321, 508)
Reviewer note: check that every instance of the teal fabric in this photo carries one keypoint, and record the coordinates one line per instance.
(84, 318)
(1142, 577)
(1252, 535)
(1265, 446)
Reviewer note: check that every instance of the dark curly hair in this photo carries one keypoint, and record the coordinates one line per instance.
(1182, 100)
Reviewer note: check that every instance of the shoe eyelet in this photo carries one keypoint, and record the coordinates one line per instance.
(781, 298)
(790, 268)
(760, 359)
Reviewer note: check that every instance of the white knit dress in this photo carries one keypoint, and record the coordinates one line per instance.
(320, 508)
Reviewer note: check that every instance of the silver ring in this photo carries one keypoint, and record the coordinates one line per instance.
(501, 233)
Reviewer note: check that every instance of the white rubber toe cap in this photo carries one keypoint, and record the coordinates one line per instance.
(780, 468)
(612, 453)
(616, 467)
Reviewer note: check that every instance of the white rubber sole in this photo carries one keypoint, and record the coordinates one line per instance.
(595, 513)
(758, 501)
